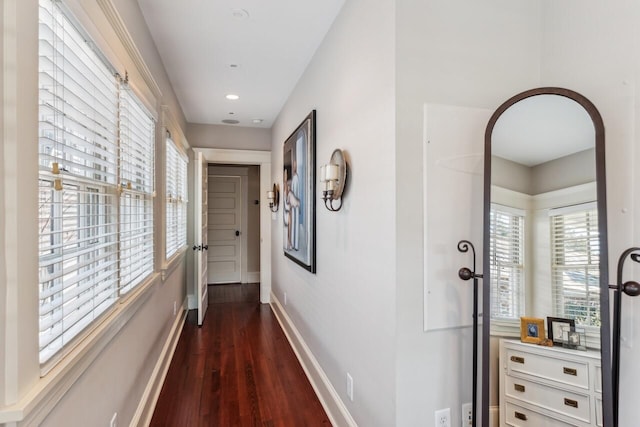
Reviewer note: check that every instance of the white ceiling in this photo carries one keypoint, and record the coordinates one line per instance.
(542, 128)
(271, 42)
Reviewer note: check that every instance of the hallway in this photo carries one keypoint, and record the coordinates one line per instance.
(237, 370)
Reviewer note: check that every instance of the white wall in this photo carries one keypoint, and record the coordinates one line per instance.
(116, 379)
(253, 232)
(3, 271)
(463, 53)
(228, 136)
(591, 47)
(346, 311)
(575, 169)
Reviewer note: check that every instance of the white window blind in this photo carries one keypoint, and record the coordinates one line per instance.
(506, 262)
(137, 185)
(575, 264)
(176, 199)
(96, 180)
(78, 174)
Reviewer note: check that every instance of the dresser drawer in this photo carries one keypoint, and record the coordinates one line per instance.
(548, 367)
(573, 405)
(517, 416)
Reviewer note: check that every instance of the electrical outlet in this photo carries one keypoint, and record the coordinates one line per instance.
(285, 298)
(349, 387)
(443, 418)
(467, 414)
(114, 420)
(175, 307)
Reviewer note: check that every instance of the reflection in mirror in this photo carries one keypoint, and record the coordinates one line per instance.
(543, 238)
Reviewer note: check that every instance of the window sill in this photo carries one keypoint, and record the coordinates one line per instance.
(33, 408)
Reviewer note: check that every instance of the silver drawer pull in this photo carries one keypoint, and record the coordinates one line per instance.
(517, 359)
(571, 402)
(520, 416)
(519, 387)
(570, 371)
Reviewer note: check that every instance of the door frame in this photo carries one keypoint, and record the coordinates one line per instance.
(262, 159)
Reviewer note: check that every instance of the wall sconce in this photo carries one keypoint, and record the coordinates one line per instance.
(334, 177)
(274, 198)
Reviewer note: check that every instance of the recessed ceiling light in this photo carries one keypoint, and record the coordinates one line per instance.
(230, 122)
(256, 121)
(232, 96)
(239, 13)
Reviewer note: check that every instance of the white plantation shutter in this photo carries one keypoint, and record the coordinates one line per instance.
(96, 180)
(506, 262)
(176, 199)
(137, 130)
(575, 256)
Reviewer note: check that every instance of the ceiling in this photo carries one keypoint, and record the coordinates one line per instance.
(255, 49)
(542, 128)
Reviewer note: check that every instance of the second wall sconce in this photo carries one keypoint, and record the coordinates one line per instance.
(274, 198)
(334, 177)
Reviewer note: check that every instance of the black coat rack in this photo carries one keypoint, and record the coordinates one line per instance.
(465, 274)
(632, 289)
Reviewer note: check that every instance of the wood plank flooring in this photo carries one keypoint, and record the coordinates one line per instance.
(236, 370)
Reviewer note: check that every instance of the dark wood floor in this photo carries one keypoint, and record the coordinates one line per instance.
(236, 370)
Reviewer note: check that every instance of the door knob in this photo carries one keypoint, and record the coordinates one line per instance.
(205, 247)
(237, 233)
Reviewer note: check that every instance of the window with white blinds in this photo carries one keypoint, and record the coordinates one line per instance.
(176, 183)
(95, 183)
(575, 247)
(506, 262)
(137, 130)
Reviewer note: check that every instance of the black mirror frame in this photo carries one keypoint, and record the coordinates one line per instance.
(605, 331)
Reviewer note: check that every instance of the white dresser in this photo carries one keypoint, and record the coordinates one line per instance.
(549, 386)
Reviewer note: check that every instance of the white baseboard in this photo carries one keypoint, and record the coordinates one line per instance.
(253, 277)
(147, 404)
(329, 398)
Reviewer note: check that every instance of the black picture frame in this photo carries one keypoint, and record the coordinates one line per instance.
(299, 194)
(555, 322)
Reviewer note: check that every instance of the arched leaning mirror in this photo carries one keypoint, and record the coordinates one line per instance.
(545, 264)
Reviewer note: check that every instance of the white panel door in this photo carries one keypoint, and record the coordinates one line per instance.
(200, 238)
(225, 221)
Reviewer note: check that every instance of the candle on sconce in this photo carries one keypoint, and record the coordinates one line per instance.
(323, 172)
(332, 172)
(270, 195)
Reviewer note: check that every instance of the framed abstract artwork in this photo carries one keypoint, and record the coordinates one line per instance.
(298, 194)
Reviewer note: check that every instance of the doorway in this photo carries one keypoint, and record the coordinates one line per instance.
(263, 160)
(234, 224)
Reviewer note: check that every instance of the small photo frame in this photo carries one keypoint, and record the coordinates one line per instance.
(532, 330)
(557, 326)
(575, 339)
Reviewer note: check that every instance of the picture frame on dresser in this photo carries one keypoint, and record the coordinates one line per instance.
(532, 330)
(556, 328)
